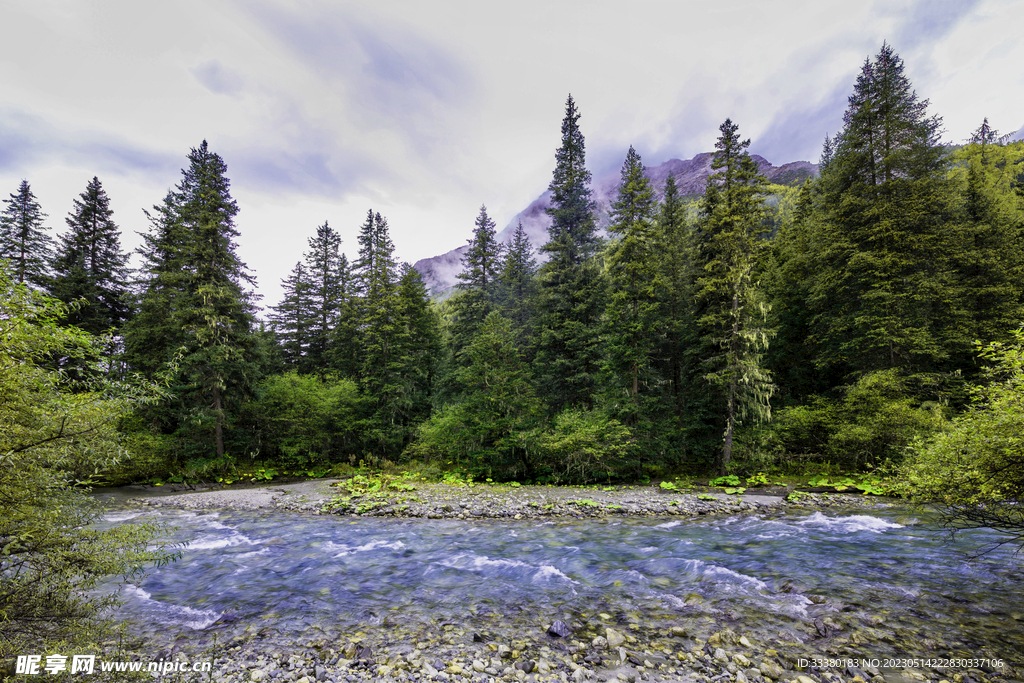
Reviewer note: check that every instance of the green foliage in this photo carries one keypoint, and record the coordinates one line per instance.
(52, 440)
(302, 419)
(975, 469)
(875, 422)
(728, 480)
(484, 432)
(581, 447)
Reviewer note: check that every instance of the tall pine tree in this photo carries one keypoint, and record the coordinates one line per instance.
(196, 304)
(23, 238)
(90, 265)
(478, 283)
(571, 285)
(517, 284)
(293, 318)
(324, 269)
(883, 295)
(731, 312)
(633, 317)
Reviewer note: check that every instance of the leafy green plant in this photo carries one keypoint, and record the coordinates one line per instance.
(706, 496)
(759, 479)
(728, 480)
(734, 489)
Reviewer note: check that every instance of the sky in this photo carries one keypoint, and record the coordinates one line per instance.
(425, 110)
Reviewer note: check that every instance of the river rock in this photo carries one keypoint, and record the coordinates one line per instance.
(543, 667)
(504, 651)
(257, 675)
(720, 655)
(746, 643)
(770, 669)
(741, 660)
(478, 666)
(615, 639)
(805, 679)
(559, 629)
(599, 643)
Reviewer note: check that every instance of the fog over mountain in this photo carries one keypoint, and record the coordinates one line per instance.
(440, 272)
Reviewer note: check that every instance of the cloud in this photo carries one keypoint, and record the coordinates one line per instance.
(931, 20)
(30, 140)
(797, 133)
(216, 78)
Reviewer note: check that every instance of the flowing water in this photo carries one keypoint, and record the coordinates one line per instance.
(886, 583)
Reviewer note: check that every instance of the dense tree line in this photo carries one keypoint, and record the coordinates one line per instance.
(753, 324)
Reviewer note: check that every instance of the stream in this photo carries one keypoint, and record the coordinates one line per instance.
(887, 583)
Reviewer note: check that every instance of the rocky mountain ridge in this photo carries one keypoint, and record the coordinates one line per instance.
(439, 272)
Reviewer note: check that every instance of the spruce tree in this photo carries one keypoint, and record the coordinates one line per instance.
(883, 291)
(633, 314)
(293, 318)
(517, 284)
(90, 264)
(324, 269)
(675, 290)
(195, 303)
(479, 283)
(23, 239)
(571, 285)
(731, 312)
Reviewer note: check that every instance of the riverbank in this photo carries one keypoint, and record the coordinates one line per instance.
(496, 501)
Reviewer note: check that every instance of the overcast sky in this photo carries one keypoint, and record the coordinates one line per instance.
(425, 110)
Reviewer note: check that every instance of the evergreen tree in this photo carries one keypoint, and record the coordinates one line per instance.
(91, 266)
(731, 312)
(292, 319)
(678, 344)
(416, 351)
(572, 288)
(23, 238)
(195, 304)
(517, 281)
(882, 293)
(344, 356)
(324, 269)
(633, 315)
(479, 283)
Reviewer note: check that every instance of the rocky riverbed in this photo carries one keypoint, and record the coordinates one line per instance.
(701, 645)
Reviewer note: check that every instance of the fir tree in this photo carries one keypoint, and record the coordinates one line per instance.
(91, 266)
(633, 315)
(324, 269)
(195, 303)
(731, 313)
(479, 282)
(883, 280)
(517, 281)
(572, 288)
(292, 319)
(23, 238)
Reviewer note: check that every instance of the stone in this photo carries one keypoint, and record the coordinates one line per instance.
(543, 667)
(745, 642)
(770, 669)
(559, 629)
(455, 669)
(741, 677)
(741, 661)
(320, 672)
(478, 666)
(504, 651)
(805, 679)
(599, 643)
(678, 631)
(257, 675)
(720, 655)
(615, 639)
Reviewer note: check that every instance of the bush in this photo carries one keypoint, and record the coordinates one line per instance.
(581, 447)
(875, 422)
(975, 469)
(52, 437)
(302, 419)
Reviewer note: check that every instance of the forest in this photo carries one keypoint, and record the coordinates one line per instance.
(843, 323)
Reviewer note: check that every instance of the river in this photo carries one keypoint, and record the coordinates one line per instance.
(888, 583)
